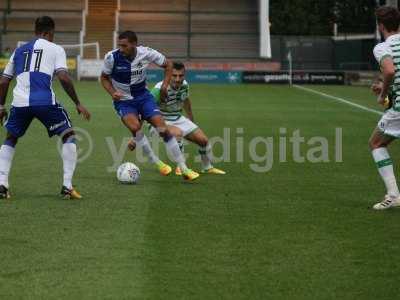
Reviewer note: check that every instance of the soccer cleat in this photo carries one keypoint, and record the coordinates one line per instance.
(4, 193)
(178, 171)
(213, 171)
(387, 202)
(164, 169)
(190, 175)
(72, 194)
(131, 145)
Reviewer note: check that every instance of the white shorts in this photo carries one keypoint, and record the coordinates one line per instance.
(182, 123)
(389, 124)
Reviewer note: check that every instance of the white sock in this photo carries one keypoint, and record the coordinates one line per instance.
(385, 168)
(69, 157)
(6, 157)
(206, 157)
(143, 142)
(176, 154)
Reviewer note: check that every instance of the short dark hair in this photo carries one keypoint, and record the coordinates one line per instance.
(177, 65)
(129, 35)
(44, 24)
(389, 17)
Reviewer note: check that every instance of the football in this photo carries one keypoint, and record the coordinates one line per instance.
(128, 173)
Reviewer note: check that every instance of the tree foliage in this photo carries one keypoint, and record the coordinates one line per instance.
(316, 17)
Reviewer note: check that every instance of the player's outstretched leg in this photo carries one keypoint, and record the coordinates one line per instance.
(198, 137)
(378, 144)
(143, 142)
(172, 147)
(7, 151)
(69, 157)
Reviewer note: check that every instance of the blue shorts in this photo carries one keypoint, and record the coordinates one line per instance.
(143, 105)
(53, 117)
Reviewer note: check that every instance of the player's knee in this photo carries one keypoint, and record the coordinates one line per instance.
(134, 128)
(11, 141)
(374, 144)
(132, 123)
(68, 137)
(177, 133)
(164, 133)
(203, 141)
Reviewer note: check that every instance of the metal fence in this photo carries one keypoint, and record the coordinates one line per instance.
(324, 53)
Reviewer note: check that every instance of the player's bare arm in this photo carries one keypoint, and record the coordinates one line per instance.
(168, 67)
(69, 88)
(4, 84)
(388, 72)
(377, 84)
(187, 106)
(107, 85)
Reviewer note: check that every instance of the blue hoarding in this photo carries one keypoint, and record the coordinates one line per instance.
(202, 76)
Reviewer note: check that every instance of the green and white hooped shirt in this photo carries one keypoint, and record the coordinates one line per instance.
(391, 48)
(171, 109)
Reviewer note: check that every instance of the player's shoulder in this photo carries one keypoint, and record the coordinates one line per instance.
(111, 54)
(382, 50)
(29, 45)
(111, 57)
(43, 43)
(393, 40)
(144, 49)
(381, 46)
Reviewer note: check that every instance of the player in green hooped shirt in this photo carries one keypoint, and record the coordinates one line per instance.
(387, 54)
(179, 125)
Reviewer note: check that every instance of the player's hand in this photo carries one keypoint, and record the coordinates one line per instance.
(381, 99)
(3, 116)
(163, 93)
(376, 87)
(117, 95)
(83, 111)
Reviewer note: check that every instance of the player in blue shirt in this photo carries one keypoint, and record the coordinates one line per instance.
(33, 66)
(124, 78)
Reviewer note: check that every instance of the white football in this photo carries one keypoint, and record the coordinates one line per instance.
(128, 173)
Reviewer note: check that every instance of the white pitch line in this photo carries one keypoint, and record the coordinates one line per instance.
(339, 99)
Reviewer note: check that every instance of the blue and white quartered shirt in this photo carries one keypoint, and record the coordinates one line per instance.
(129, 77)
(33, 65)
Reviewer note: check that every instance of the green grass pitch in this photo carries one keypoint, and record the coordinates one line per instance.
(299, 231)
